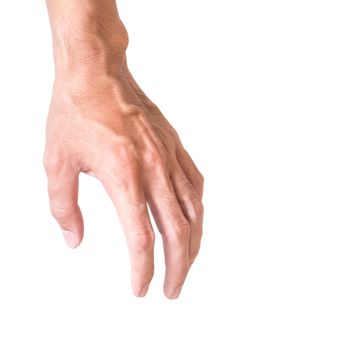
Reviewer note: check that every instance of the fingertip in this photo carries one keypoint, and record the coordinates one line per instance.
(141, 277)
(141, 291)
(72, 239)
(172, 293)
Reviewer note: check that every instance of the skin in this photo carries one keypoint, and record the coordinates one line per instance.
(101, 123)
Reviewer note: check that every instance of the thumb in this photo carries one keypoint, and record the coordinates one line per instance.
(63, 183)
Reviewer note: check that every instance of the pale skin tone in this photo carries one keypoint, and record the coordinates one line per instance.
(101, 123)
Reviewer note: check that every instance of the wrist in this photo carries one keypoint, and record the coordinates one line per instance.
(88, 39)
(92, 52)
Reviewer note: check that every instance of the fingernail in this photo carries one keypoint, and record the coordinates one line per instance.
(143, 290)
(175, 293)
(70, 238)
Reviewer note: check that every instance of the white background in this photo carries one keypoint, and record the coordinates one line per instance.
(265, 96)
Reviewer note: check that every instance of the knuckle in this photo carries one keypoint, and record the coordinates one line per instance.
(198, 208)
(123, 151)
(52, 161)
(132, 111)
(152, 107)
(179, 231)
(199, 179)
(122, 158)
(142, 239)
(193, 254)
(193, 207)
(61, 214)
(154, 158)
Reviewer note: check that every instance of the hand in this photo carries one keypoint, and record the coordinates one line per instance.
(102, 124)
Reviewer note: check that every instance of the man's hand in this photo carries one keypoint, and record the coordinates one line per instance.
(102, 124)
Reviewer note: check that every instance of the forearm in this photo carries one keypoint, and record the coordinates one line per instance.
(86, 33)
